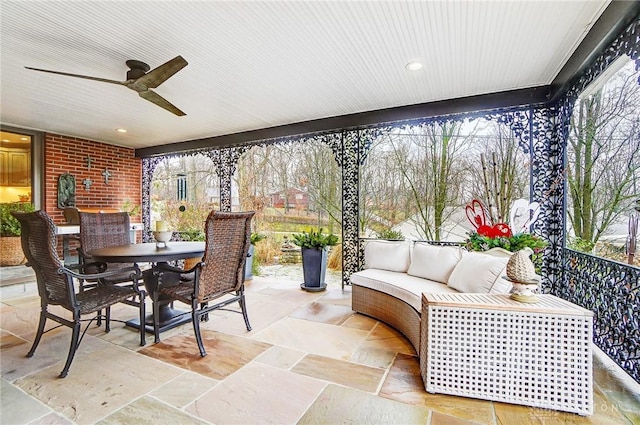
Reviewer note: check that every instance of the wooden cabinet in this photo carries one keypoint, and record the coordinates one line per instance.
(4, 168)
(15, 167)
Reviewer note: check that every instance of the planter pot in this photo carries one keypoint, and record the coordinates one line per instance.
(190, 263)
(314, 269)
(11, 251)
(248, 273)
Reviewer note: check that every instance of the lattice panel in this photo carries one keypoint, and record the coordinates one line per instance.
(540, 360)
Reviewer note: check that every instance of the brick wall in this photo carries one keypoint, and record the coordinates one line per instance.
(67, 155)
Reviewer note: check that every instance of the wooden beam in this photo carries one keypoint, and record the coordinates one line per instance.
(615, 18)
(513, 98)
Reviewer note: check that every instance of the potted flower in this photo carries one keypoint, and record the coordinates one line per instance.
(485, 239)
(249, 265)
(10, 246)
(314, 246)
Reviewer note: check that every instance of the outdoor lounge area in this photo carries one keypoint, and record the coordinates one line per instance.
(464, 173)
(309, 359)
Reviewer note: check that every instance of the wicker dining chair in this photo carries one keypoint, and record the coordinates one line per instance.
(101, 230)
(56, 285)
(221, 271)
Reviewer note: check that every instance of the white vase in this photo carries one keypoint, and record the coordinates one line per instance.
(524, 292)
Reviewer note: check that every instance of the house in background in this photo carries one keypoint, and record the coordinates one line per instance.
(290, 199)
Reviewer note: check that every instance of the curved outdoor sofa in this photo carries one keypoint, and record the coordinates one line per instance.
(396, 274)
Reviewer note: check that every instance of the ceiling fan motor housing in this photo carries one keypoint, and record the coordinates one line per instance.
(138, 69)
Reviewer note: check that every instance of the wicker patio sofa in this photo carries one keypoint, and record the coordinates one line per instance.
(396, 274)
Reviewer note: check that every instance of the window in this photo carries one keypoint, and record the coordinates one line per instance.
(15, 167)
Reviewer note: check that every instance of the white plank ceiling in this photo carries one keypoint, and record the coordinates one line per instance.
(259, 64)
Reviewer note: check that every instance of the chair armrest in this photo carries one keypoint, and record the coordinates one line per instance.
(101, 267)
(135, 273)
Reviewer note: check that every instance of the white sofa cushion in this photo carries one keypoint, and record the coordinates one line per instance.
(434, 262)
(387, 255)
(502, 285)
(399, 285)
(477, 272)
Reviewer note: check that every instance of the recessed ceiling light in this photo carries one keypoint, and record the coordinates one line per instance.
(414, 66)
(121, 130)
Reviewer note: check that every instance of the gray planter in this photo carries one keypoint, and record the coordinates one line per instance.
(314, 269)
(248, 266)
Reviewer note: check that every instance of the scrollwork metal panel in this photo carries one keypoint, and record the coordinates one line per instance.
(148, 168)
(612, 291)
(350, 204)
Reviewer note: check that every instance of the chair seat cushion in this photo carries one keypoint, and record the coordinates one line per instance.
(103, 296)
(181, 292)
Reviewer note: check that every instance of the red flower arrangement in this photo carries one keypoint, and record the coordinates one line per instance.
(499, 235)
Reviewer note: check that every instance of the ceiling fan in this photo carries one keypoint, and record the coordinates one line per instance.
(141, 80)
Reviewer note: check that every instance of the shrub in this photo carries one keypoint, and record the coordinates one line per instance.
(391, 235)
(315, 239)
(334, 261)
(257, 237)
(9, 225)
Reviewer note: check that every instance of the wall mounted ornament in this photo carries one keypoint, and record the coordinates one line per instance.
(66, 191)
(87, 184)
(88, 160)
(107, 174)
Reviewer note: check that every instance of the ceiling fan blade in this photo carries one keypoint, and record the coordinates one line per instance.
(159, 75)
(86, 77)
(153, 97)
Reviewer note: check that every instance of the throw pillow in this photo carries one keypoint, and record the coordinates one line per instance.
(434, 262)
(387, 255)
(477, 272)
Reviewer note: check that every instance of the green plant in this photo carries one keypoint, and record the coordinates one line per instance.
(582, 245)
(130, 208)
(391, 235)
(477, 242)
(192, 235)
(255, 265)
(314, 239)
(9, 226)
(257, 237)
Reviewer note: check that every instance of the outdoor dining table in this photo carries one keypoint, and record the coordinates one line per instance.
(151, 253)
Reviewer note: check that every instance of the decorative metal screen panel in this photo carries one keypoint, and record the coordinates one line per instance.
(612, 291)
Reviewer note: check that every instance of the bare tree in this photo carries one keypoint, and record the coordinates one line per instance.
(383, 190)
(318, 173)
(504, 174)
(603, 155)
(428, 158)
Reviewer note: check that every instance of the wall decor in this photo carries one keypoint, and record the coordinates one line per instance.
(87, 184)
(88, 160)
(66, 191)
(106, 173)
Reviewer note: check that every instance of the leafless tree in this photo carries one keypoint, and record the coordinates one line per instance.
(504, 174)
(428, 159)
(603, 155)
(383, 190)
